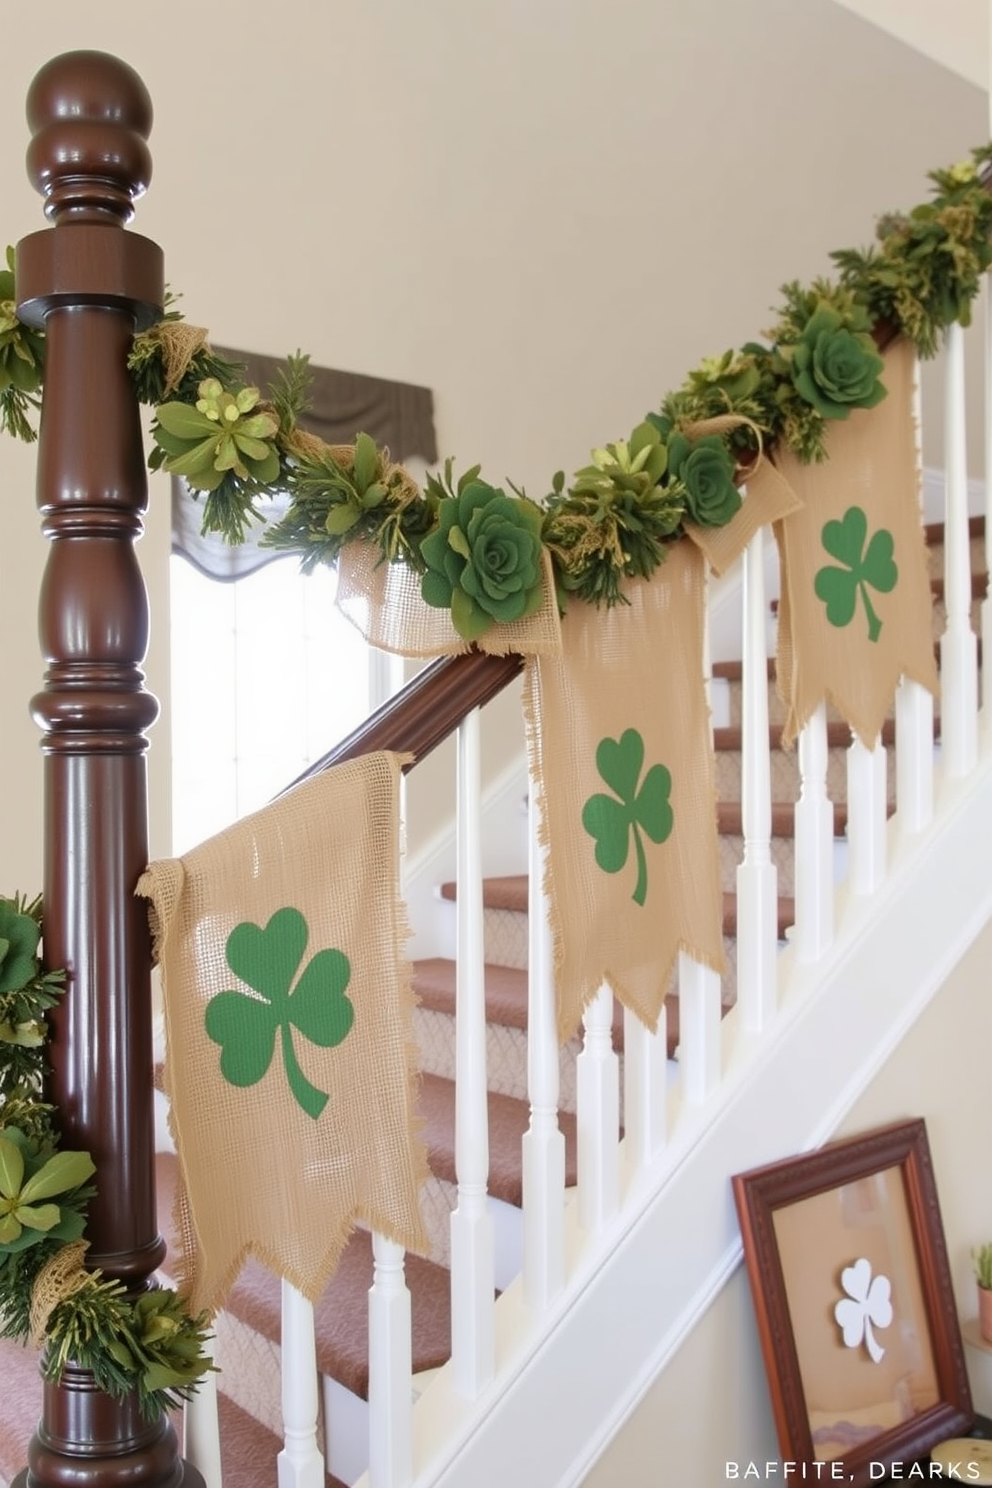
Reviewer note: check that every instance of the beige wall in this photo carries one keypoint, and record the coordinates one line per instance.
(546, 212)
(711, 1404)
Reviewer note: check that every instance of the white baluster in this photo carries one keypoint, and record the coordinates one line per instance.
(597, 1095)
(645, 1088)
(201, 1430)
(958, 644)
(914, 709)
(699, 1029)
(914, 756)
(390, 1354)
(300, 1464)
(472, 1250)
(757, 876)
(814, 844)
(543, 1143)
(866, 817)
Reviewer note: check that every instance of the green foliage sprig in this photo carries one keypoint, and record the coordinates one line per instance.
(236, 447)
(148, 1345)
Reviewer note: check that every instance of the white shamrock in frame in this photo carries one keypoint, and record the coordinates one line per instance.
(868, 1301)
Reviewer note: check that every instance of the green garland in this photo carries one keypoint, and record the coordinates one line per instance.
(148, 1345)
(477, 550)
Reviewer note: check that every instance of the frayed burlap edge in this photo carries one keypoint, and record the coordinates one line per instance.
(383, 602)
(184, 1267)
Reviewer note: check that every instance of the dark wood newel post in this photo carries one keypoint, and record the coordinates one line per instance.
(91, 285)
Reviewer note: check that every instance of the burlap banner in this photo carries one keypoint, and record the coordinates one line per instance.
(855, 612)
(383, 601)
(290, 1054)
(619, 736)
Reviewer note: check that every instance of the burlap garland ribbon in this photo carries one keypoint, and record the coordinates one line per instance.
(856, 537)
(384, 602)
(180, 343)
(768, 498)
(622, 716)
(291, 1064)
(59, 1279)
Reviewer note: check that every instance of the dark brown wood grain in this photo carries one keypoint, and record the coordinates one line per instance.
(759, 1194)
(90, 285)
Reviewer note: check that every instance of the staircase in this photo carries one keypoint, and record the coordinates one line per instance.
(248, 1333)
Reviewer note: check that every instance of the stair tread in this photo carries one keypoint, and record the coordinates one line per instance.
(730, 818)
(506, 996)
(786, 914)
(508, 891)
(839, 734)
(341, 1320)
(934, 531)
(508, 1120)
(979, 584)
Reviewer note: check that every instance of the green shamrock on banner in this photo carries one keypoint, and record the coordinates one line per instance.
(863, 567)
(611, 821)
(246, 1026)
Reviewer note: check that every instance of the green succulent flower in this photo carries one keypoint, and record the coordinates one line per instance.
(706, 469)
(834, 368)
(19, 936)
(220, 435)
(26, 1178)
(484, 559)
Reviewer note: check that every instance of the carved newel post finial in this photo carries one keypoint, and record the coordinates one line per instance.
(90, 285)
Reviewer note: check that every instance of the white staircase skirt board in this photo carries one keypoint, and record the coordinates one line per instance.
(563, 1390)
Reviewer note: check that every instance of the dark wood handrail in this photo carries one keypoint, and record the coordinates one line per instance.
(424, 712)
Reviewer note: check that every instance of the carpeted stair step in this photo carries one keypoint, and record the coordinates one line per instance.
(20, 1406)
(508, 1121)
(341, 1313)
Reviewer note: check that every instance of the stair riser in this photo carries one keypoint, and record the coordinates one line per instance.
(506, 1056)
(785, 774)
(782, 855)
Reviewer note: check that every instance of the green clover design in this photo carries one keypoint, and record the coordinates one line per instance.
(246, 1026)
(610, 822)
(839, 587)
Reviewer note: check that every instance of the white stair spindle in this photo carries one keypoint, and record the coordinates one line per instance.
(472, 1246)
(543, 1147)
(914, 708)
(390, 1355)
(757, 876)
(866, 817)
(958, 644)
(300, 1463)
(597, 1096)
(201, 1431)
(914, 756)
(814, 841)
(645, 1089)
(699, 1029)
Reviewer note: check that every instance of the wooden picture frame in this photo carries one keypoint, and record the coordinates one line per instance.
(855, 1223)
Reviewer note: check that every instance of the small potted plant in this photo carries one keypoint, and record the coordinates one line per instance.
(982, 1259)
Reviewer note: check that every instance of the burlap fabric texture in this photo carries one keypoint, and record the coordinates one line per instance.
(290, 1059)
(855, 612)
(383, 601)
(619, 740)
